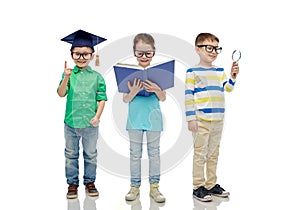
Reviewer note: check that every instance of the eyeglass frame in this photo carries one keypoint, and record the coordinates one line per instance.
(81, 55)
(144, 53)
(214, 48)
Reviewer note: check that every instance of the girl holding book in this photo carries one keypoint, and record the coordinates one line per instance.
(144, 116)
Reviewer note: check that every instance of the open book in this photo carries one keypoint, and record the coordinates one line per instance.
(162, 74)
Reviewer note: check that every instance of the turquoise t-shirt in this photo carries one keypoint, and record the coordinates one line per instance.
(144, 114)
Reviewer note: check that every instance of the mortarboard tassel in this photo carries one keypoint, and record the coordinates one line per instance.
(97, 62)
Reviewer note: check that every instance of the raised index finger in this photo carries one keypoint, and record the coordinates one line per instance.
(65, 64)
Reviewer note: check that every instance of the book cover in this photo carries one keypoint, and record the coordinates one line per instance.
(162, 74)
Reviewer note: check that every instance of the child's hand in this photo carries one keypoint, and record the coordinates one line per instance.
(193, 125)
(136, 86)
(151, 86)
(234, 70)
(94, 121)
(67, 71)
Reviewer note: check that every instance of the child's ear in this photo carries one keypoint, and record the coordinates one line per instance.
(197, 49)
(93, 55)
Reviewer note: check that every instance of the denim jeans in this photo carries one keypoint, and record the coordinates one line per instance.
(89, 138)
(136, 148)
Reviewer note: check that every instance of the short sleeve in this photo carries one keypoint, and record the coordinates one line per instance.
(101, 91)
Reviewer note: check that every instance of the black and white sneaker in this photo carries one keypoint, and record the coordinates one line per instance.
(217, 190)
(202, 194)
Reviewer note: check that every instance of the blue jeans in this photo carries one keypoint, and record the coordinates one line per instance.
(136, 149)
(89, 138)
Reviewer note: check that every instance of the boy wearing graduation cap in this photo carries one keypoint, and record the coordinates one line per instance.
(86, 96)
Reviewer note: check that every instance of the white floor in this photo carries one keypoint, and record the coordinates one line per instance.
(88, 203)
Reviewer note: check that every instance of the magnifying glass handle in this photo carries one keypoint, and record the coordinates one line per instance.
(234, 74)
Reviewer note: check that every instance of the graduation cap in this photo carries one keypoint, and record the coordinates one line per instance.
(82, 38)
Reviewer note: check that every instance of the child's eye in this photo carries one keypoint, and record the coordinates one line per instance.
(209, 48)
(149, 53)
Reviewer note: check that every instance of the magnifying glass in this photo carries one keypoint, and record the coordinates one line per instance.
(236, 56)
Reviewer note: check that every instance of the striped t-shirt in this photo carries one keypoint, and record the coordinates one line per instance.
(204, 93)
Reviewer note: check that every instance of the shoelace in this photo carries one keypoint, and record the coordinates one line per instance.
(91, 186)
(219, 188)
(72, 188)
(132, 190)
(156, 191)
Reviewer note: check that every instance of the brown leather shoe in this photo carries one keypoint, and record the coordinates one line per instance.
(72, 191)
(91, 189)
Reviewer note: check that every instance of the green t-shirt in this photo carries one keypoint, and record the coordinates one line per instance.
(84, 89)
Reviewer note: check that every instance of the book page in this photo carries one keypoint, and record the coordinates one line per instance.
(140, 67)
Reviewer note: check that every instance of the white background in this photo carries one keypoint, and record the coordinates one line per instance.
(259, 157)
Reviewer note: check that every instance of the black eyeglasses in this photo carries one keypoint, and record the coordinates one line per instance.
(85, 56)
(210, 48)
(140, 53)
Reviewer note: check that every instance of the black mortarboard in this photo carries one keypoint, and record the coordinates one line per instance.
(82, 38)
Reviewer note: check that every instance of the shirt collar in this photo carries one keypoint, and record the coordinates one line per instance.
(76, 69)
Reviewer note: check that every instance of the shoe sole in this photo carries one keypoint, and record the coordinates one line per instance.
(92, 194)
(203, 199)
(221, 195)
(157, 201)
(72, 196)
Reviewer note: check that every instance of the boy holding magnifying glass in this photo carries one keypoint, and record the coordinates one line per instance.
(205, 107)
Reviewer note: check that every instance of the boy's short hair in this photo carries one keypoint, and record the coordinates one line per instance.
(147, 38)
(205, 36)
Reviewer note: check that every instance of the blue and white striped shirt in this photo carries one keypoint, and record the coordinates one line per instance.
(204, 93)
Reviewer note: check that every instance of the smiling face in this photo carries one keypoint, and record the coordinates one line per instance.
(147, 52)
(82, 56)
(207, 52)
